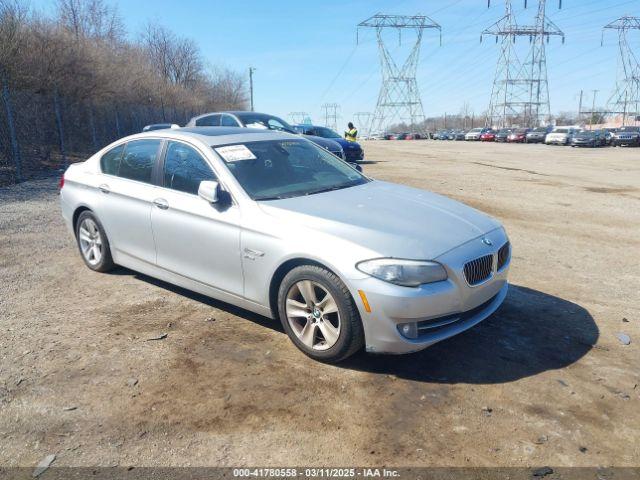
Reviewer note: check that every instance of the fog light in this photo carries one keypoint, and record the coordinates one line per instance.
(408, 330)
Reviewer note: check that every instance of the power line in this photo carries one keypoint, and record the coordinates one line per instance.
(625, 100)
(520, 93)
(399, 98)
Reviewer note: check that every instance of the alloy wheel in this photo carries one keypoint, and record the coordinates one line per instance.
(90, 241)
(313, 315)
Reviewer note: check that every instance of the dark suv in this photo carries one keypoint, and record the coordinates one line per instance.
(627, 137)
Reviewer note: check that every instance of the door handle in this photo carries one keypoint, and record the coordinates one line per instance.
(104, 188)
(161, 203)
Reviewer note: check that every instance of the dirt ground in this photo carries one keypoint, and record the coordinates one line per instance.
(543, 381)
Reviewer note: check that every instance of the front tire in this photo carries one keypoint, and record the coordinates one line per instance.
(93, 243)
(319, 314)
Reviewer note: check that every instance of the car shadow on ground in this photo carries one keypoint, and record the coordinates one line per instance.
(531, 333)
(226, 307)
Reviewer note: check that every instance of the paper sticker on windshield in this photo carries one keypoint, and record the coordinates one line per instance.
(235, 153)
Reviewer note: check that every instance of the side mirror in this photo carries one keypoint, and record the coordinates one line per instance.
(209, 191)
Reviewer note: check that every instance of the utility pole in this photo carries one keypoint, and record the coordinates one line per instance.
(251, 70)
(520, 93)
(593, 109)
(580, 105)
(399, 98)
(625, 99)
(331, 115)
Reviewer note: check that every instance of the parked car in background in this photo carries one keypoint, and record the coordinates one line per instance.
(488, 136)
(260, 121)
(608, 135)
(589, 138)
(537, 135)
(628, 136)
(458, 135)
(519, 135)
(561, 135)
(160, 126)
(353, 151)
(441, 135)
(376, 136)
(266, 220)
(474, 134)
(502, 134)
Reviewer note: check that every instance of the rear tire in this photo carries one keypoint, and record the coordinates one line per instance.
(93, 243)
(319, 314)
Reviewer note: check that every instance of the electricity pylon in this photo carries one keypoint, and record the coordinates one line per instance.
(363, 122)
(301, 118)
(399, 98)
(625, 99)
(520, 93)
(331, 115)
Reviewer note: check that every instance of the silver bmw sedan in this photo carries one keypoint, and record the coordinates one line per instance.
(270, 222)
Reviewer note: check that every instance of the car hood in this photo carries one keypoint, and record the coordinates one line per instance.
(324, 142)
(346, 144)
(392, 220)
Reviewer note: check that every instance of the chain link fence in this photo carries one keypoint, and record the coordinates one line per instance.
(41, 132)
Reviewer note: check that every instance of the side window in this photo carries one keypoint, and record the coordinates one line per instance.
(184, 168)
(110, 161)
(138, 160)
(208, 121)
(229, 121)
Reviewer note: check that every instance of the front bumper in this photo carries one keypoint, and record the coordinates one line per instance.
(446, 308)
(626, 142)
(354, 155)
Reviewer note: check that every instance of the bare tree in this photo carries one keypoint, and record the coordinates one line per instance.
(90, 19)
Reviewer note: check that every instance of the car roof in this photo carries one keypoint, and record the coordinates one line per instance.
(215, 136)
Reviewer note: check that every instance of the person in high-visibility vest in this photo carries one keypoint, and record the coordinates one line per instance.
(352, 133)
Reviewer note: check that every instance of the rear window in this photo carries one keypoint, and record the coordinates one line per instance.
(134, 160)
(208, 121)
(110, 161)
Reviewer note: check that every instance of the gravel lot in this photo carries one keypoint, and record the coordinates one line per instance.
(543, 381)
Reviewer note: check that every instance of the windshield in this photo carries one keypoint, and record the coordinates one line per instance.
(540, 129)
(629, 129)
(259, 120)
(521, 130)
(587, 134)
(325, 132)
(476, 130)
(561, 130)
(276, 169)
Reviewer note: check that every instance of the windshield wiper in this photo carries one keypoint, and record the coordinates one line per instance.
(275, 197)
(331, 189)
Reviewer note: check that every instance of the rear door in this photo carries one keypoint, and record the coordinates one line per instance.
(127, 193)
(194, 238)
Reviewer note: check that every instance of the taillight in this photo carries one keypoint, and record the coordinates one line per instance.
(61, 182)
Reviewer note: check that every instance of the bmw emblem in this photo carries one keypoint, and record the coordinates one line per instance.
(487, 242)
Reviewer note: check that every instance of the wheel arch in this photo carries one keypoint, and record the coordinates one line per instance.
(76, 215)
(283, 269)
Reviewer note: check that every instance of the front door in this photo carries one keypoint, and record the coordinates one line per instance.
(194, 238)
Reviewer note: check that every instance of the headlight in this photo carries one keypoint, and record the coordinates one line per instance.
(408, 273)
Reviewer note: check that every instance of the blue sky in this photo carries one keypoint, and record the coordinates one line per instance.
(307, 55)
